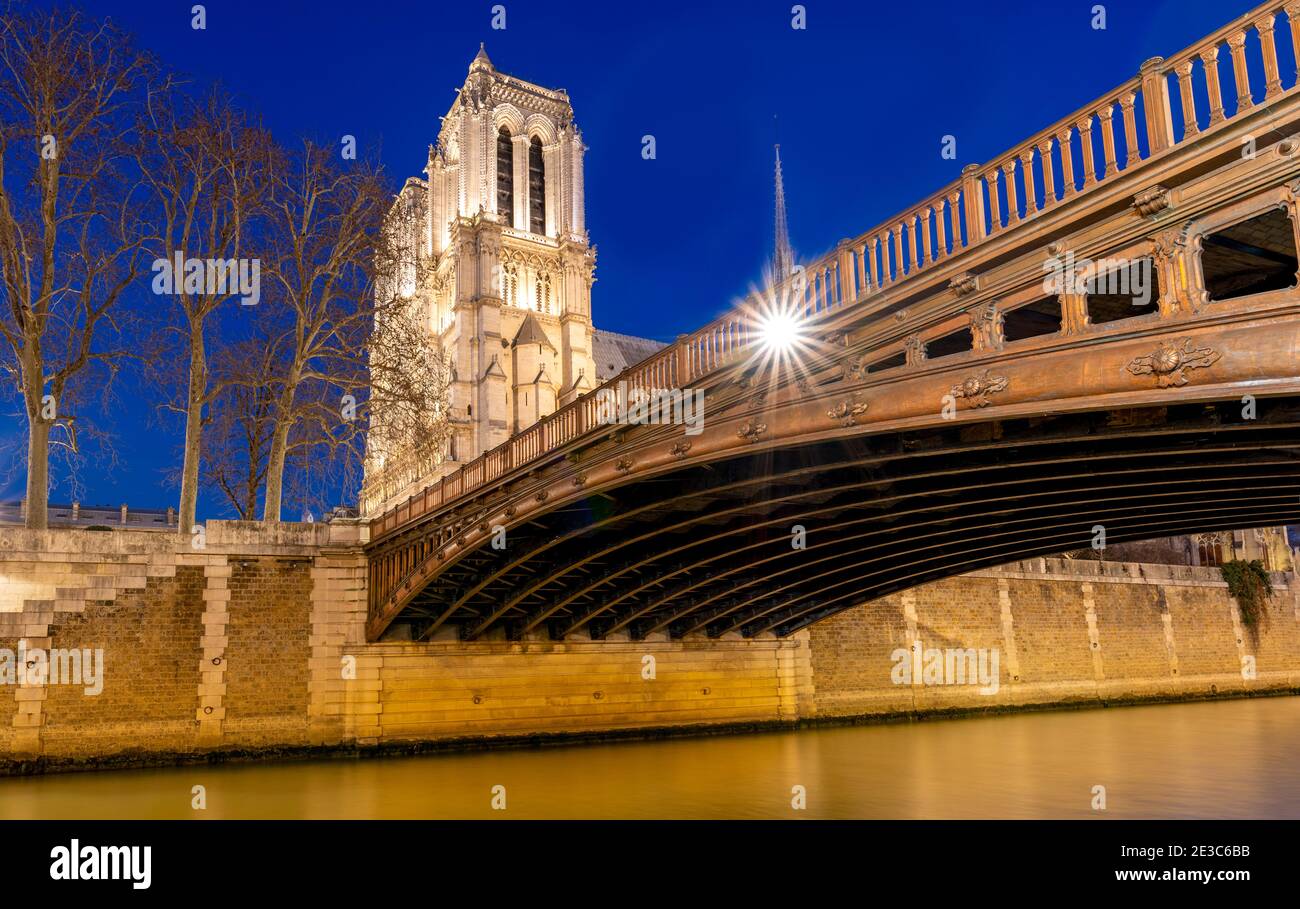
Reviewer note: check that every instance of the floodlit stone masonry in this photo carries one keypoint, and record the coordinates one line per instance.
(254, 646)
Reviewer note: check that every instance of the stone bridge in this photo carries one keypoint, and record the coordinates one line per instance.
(1094, 333)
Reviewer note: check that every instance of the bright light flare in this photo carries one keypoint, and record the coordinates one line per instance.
(779, 332)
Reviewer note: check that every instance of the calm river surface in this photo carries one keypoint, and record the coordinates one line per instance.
(1227, 759)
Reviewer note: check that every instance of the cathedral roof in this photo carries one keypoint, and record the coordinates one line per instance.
(531, 333)
(614, 352)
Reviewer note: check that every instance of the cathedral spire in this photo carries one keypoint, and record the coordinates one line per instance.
(782, 257)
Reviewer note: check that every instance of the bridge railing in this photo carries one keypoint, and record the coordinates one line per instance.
(1124, 128)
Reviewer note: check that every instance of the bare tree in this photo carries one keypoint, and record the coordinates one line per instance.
(408, 418)
(207, 165)
(70, 235)
(325, 222)
(241, 423)
(337, 255)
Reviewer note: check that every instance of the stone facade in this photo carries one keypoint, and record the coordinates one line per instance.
(503, 268)
(255, 645)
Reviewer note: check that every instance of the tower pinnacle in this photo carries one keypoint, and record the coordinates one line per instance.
(782, 257)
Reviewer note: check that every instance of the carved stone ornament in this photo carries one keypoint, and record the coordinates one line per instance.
(986, 322)
(1152, 201)
(511, 511)
(914, 350)
(542, 496)
(623, 465)
(965, 284)
(1168, 243)
(1169, 362)
(580, 479)
(679, 450)
(751, 431)
(846, 412)
(977, 389)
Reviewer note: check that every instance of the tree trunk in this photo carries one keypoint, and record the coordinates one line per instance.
(38, 471)
(198, 387)
(279, 449)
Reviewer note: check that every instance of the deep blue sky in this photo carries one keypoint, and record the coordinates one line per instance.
(863, 97)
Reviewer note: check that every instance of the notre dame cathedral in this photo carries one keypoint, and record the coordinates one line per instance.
(507, 276)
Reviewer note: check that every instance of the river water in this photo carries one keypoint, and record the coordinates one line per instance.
(1224, 759)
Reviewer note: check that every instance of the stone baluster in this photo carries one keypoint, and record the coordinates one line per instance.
(954, 212)
(1268, 46)
(995, 203)
(1084, 125)
(898, 252)
(1031, 191)
(1108, 135)
(1237, 43)
(1067, 162)
(1210, 60)
(1049, 173)
(1293, 18)
(1126, 103)
(1013, 198)
(1184, 71)
(877, 278)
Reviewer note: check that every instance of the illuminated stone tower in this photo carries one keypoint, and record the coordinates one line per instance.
(508, 270)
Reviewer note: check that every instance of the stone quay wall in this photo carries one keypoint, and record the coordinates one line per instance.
(253, 646)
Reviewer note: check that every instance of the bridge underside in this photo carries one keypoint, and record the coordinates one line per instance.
(773, 540)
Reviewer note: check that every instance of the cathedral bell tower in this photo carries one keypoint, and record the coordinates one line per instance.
(511, 294)
(504, 273)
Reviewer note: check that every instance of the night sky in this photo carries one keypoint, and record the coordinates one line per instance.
(862, 99)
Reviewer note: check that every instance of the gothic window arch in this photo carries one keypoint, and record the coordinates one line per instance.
(510, 285)
(506, 176)
(1210, 549)
(536, 187)
(542, 293)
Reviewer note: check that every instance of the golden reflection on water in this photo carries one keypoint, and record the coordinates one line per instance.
(1226, 759)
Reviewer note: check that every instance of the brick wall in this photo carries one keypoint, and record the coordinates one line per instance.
(150, 640)
(256, 643)
(1067, 632)
(450, 690)
(266, 676)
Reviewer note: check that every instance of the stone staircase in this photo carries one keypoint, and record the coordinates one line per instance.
(43, 574)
